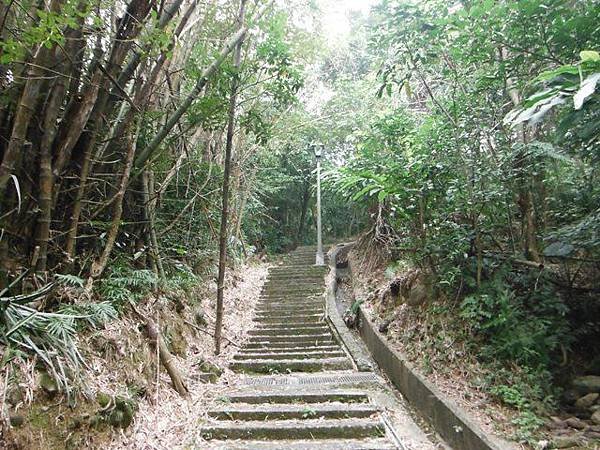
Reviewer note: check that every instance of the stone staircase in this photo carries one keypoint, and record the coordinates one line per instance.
(283, 408)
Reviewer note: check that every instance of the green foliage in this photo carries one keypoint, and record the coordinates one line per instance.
(573, 90)
(526, 327)
(182, 278)
(124, 285)
(52, 337)
(69, 280)
(47, 29)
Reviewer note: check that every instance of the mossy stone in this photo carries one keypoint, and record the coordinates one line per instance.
(103, 399)
(48, 384)
(208, 367)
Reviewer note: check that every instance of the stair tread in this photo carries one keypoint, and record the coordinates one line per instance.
(331, 406)
(321, 444)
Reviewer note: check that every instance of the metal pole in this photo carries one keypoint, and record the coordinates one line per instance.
(320, 258)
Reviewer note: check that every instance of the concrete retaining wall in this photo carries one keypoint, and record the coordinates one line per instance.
(451, 424)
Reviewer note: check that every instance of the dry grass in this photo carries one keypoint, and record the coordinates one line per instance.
(167, 421)
(121, 363)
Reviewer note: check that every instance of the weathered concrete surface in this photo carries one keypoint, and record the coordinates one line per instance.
(356, 351)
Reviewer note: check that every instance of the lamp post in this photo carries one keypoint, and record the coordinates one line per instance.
(320, 260)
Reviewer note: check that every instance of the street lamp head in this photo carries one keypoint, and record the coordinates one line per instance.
(318, 149)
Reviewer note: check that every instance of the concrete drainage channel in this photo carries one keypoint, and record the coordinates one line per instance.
(281, 404)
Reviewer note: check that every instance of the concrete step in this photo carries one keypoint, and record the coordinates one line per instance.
(296, 318)
(290, 293)
(290, 300)
(291, 305)
(295, 323)
(312, 444)
(285, 304)
(273, 346)
(293, 429)
(299, 396)
(292, 331)
(280, 306)
(338, 353)
(306, 317)
(294, 349)
(291, 312)
(290, 325)
(290, 297)
(315, 318)
(291, 365)
(285, 412)
(297, 285)
(308, 269)
(316, 337)
(295, 277)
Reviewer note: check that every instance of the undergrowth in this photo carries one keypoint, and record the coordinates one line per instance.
(52, 336)
(506, 337)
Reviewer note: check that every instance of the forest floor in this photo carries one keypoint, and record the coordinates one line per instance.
(121, 365)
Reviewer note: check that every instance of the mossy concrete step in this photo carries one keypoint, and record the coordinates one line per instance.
(270, 346)
(293, 349)
(286, 303)
(268, 342)
(308, 316)
(291, 304)
(294, 323)
(266, 354)
(312, 444)
(295, 317)
(286, 300)
(290, 312)
(290, 281)
(285, 412)
(291, 296)
(292, 307)
(281, 318)
(291, 338)
(298, 270)
(302, 287)
(291, 292)
(292, 331)
(299, 396)
(294, 277)
(293, 429)
(291, 365)
(292, 326)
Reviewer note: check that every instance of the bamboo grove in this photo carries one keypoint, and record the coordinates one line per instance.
(113, 115)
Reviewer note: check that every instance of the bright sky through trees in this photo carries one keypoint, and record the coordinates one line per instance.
(336, 21)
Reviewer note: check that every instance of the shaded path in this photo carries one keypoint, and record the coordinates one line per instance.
(281, 405)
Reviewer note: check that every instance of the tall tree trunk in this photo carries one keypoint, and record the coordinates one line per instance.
(99, 264)
(46, 179)
(237, 57)
(524, 189)
(305, 200)
(94, 98)
(151, 213)
(26, 108)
